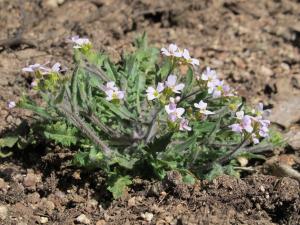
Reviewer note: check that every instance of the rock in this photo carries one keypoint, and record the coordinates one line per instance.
(293, 137)
(101, 222)
(286, 110)
(30, 180)
(44, 220)
(3, 212)
(3, 185)
(92, 203)
(265, 71)
(131, 202)
(83, 219)
(147, 216)
(54, 3)
(33, 198)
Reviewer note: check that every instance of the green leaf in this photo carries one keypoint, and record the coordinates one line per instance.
(118, 110)
(8, 141)
(188, 179)
(60, 133)
(123, 161)
(119, 185)
(25, 103)
(216, 171)
(188, 82)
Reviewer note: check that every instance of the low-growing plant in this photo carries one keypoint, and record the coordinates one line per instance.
(143, 116)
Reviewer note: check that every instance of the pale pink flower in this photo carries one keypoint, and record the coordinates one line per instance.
(184, 125)
(153, 93)
(11, 104)
(112, 92)
(80, 42)
(171, 83)
(202, 108)
(172, 50)
(188, 59)
(173, 112)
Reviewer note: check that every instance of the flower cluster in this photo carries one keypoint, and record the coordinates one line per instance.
(43, 69)
(215, 86)
(80, 43)
(182, 55)
(254, 126)
(167, 88)
(112, 92)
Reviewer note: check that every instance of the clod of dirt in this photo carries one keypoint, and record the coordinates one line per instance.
(3, 212)
(31, 180)
(83, 219)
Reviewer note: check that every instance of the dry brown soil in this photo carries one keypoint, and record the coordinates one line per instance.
(255, 46)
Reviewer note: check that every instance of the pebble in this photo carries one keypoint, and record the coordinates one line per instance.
(101, 222)
(266, 71)
(44, 220)
(30, 180)
(83, 219)
(3, 212)
(147, 216)
(131, 202)
(3, 185)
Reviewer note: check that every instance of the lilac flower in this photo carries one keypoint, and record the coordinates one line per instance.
(202, 108)
(155, 93)
(188, 59)
(11, 104)
(33, 84)
(263, 131)
(112, 92)
(172, 50)
(245, 123)
(114, 95)
(111, 85)
(237, 128)
(211, 77)
(56, 68)
(33, 68)
(80, 42)
(260, 112)
(171, 83)
(184, 125)
(254, 138)
(173, 112)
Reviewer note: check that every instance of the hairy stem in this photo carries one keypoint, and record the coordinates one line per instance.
(80, 124)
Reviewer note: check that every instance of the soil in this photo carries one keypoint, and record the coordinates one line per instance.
(254, 45)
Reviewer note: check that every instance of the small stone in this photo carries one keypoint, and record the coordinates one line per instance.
(83, 219)
(131, 202)
(44, 220)
(3, 212)
(266, 71)
(285, 66)
(21, 223)
(101, 222)
(30, 180)
(242, 160)
(3, 185)
(262, 188)
(147, 216)
(33, 198)
(92, 203)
